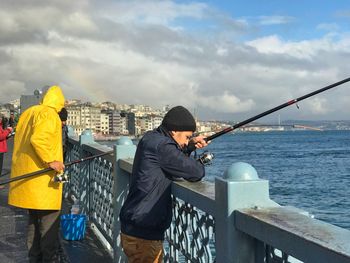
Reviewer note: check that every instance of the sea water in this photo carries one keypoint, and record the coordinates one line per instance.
(305, 169)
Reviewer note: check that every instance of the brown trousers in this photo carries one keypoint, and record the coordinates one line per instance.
(140, 250)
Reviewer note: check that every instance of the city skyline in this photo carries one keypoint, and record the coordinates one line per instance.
(228, 60)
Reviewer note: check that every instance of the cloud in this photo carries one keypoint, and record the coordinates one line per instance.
(328, 27)
(318, 106)
(275, 20)
(153, 12)
(226, 103)
(166, 52)
(10, 88)
(302, 49)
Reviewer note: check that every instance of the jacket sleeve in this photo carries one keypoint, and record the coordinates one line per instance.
(44, 132)
(176, 164)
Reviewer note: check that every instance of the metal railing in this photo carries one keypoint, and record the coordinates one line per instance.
(231, 220)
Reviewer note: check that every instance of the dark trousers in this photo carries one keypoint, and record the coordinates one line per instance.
(43, 242)
(1, 161)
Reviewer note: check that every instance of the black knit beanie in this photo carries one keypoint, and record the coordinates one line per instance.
(63, 114)
(179, 119)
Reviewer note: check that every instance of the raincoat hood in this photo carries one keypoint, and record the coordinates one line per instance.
(53, 98)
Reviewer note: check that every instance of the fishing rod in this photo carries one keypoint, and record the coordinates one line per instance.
(24, 176)
(286, 104)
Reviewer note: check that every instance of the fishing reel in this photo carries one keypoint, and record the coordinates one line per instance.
(61, 178)
(205, 158)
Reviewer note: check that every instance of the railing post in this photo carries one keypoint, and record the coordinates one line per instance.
(122, 150)
(67, 186)
(86, 137)
(240, 188)
(71, 132)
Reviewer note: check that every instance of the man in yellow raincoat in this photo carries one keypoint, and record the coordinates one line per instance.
(38, 145)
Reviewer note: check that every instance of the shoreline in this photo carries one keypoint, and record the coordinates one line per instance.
(114, 138)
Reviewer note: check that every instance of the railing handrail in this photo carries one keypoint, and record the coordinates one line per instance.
(301, 236)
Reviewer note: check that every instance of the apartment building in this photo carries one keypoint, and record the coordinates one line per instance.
(149, 122)
(131, 123)
(117, 124)
(136, 121)
(103, 127)
(84, 116)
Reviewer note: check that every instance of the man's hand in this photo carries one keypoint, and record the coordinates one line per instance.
(10, 129)
(57, 166)
(199, 142)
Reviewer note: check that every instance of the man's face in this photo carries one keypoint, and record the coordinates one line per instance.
(182, 137)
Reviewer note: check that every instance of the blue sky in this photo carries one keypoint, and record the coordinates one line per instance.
(291, 20)
(229, 60)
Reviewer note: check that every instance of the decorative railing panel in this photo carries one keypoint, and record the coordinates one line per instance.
(273, 255)
(91, 185)
(190, 237)
(73, 171)
(101, 196)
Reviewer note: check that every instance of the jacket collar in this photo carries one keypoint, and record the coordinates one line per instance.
(161, 129)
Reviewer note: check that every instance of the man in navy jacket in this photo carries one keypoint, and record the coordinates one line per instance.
(160, 158)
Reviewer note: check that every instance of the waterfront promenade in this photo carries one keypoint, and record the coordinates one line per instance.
(13, 227)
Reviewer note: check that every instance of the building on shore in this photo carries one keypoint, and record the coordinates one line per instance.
(84, 116)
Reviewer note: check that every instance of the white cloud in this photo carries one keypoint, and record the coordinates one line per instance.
(221, 51)
(275, 20)
(328, 27)
(306, 49)
(133, 52)
(78, 22)
(154, 12)
(318, 106)
(226, 103)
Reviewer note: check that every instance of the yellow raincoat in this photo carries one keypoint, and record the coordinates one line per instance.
(38, 141)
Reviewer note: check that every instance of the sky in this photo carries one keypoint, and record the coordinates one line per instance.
(223, 60)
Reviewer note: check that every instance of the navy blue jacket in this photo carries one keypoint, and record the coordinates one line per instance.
(147, 210)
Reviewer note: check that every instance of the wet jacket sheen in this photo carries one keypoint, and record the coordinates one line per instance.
(38, 141)
(147, 211)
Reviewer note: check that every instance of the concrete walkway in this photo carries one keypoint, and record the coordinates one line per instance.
(13, 228)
